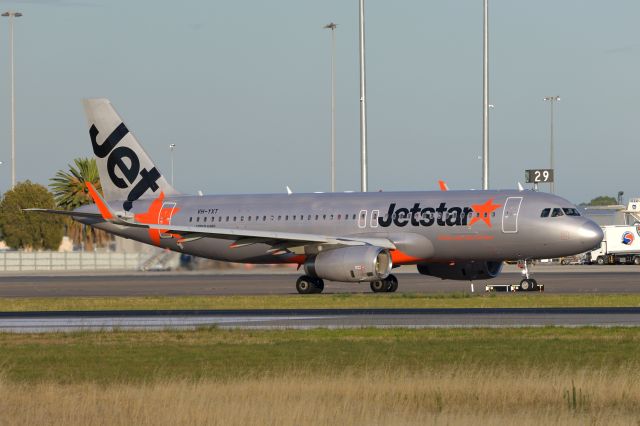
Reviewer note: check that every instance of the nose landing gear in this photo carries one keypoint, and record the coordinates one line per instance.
(527, 283)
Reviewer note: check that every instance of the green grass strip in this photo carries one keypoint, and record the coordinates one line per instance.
(450, 300)
(123, 356)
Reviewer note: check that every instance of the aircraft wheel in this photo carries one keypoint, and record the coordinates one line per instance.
(392, 283)
(379, 286)
(636, 260)
(306, 285)
(600, 260)
(534, 284)
(525, 285)
(318, 285)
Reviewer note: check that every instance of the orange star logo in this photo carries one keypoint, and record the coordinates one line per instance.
(484, 212)
(157, 215)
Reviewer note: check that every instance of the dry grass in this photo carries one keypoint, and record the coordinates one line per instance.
(450, 396)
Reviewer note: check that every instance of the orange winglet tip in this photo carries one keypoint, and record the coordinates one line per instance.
(443, 185)
(102, 206)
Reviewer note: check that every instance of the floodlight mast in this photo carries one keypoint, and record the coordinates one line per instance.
(11, 15)
(485, 98)
(332, 26)
(552, 100)
(363, 108)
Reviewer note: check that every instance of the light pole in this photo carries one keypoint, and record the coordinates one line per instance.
(552, 100)
(332, 27)
(485, 98)
(12, 15)
(363, 107)
(172, 147)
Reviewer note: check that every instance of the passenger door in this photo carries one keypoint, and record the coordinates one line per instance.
(510, 215)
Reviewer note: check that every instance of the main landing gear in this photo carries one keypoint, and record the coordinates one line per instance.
(312, 285)
(527, 283)
(309, 285)
(387, 285)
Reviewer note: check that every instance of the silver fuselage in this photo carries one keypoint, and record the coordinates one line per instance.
(424, 226)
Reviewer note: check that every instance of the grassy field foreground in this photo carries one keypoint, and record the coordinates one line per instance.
(325, 377)
(340, 300)
(449, 396)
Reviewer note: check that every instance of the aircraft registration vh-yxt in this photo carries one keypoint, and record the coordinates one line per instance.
(349, 237)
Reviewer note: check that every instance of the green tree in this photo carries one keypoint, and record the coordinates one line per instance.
(70, 192)
(603, 200)
(22, 230)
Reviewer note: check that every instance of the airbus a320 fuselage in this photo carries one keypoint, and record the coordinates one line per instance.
(351, 237)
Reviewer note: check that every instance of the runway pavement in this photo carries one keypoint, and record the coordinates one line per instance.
(557, 279)
(23, 322)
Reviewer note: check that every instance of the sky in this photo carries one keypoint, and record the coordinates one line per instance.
(243, 90)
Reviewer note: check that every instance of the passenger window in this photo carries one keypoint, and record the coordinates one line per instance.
(279, 217)
(339, 216)
(264, 218)
(331, 217)
(227, 219)
(309, 217)
(324, 216)
(191, 219)
(316, 217)
(248, 218)
(204, 219)
(545, 212)
(294, 217)
(557, 212)
(198, 219)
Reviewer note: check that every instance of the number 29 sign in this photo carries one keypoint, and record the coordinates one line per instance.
(539, 175)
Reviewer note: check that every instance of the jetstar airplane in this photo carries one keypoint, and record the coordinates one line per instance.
(349, 237)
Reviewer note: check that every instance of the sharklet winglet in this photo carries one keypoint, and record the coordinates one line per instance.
(106, 212)
(104, 209)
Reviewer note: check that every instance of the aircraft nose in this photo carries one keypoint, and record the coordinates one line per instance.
(591, 234)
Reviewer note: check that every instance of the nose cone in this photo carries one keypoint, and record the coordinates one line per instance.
(591, 234)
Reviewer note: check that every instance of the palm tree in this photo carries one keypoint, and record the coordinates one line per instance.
(70, 192)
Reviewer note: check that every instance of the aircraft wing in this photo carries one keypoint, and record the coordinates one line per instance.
(244, 237)
(279, 241)
(240, 237)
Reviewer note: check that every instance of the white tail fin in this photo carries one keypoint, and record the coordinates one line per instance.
(126, 171)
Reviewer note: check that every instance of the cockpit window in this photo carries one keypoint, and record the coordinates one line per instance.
(545, 213)
(557, 212)
(571, 211)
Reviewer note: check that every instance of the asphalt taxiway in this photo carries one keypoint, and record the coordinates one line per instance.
(28, 322)
(557, 279)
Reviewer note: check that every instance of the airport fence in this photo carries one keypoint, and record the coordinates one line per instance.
(17, 261)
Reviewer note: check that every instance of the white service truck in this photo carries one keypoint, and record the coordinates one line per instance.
(621, 244)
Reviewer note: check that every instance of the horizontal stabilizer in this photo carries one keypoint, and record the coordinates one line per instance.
(66, 213)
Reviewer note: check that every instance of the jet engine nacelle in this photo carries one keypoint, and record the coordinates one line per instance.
(350, 264)
(461, 271)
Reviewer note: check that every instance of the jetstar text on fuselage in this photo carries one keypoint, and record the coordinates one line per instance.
(426, 216)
